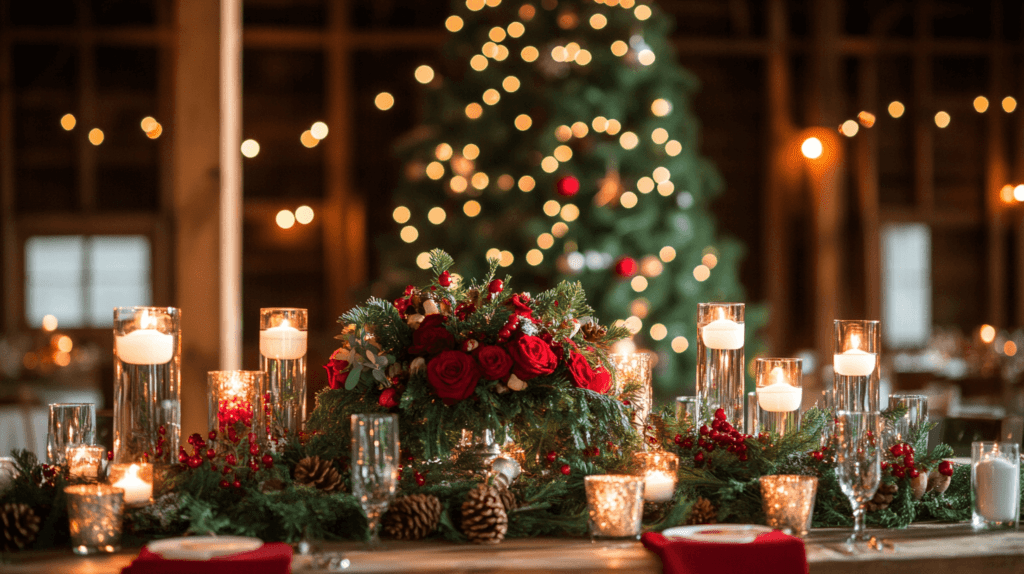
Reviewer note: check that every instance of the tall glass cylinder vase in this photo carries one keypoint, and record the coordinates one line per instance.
(779, 395)
(858, 345)
(147, 384)
(283, 340)
(235, 407)
(633, 376)
(720, 361)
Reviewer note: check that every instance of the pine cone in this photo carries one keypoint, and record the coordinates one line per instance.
(412, 517)
(703, 512)
(883, 497)
(593, 332)
(20, 525)
(320, 474)
(484, 520)
(508, 500)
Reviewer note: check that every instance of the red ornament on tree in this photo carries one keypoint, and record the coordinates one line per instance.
(626, 267)
(567, 186)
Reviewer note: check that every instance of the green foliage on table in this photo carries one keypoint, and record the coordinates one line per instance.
(608, 227)
(44, 495)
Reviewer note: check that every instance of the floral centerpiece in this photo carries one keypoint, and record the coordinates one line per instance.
(462, 354)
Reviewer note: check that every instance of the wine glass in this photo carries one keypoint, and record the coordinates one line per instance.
(374, 466)
(858, 461)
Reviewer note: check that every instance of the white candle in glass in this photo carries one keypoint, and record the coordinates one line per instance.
(854, 362)
(659, 486)
(136, 490)
(997, 489)
(723, 334)
(779, 396)
(145, 345)
(283, 342)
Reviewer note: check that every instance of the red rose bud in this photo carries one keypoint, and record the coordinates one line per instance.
(946, 468)
(566, 469)
(444, 279)
(389, 398)
(337, 372)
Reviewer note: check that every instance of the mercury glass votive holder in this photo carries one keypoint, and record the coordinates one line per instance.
(94, 518)
(616, 506)
(85, 461)
(788, 501)
(659, 470)
(633, 375)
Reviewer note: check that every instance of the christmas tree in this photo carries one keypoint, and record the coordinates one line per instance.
(558, 138)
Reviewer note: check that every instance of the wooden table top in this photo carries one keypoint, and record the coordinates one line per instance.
(921, 548)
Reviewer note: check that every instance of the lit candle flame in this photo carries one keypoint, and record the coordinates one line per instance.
(776, 376)
(854, 342)
(147, 321)
(132, 473)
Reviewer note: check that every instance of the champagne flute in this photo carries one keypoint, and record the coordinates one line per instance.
(374, 466)
(858, 461)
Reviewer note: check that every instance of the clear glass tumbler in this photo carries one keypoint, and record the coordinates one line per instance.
(995, 485)
(70, 424)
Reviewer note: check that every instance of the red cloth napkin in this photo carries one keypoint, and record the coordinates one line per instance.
(771, 553)
(271, 558)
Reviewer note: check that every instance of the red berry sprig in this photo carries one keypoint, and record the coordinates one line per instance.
(721, 434)
(902, 463)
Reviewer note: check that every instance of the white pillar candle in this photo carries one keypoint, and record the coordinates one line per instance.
(723, 334)
(854, 363)
(997, 489)
(144, 347)
(283, 342)
(779, 396)
(136, 490)
(659, 486)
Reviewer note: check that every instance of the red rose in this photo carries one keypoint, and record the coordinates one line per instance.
(520, 307)
(389, 398)
(454, 375)
(532, 357)
(431, 337)
(495, 363)
(337, 371)
(585, 377)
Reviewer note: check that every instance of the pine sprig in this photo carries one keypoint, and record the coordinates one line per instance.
(440, 261)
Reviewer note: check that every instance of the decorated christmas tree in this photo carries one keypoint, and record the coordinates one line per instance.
(558, 137)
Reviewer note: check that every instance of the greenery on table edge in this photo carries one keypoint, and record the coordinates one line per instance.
(271, 506)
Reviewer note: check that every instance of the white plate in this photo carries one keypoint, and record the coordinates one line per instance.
(203, 547)
(734, 533)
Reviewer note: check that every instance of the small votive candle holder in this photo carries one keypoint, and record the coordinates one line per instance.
(995, 485)
(94, 518)
(686, 411)
(135, 480)
(616, 506)
(237, 405)
(779, 395)
(85, 461)
(659, 470)
(788, 501)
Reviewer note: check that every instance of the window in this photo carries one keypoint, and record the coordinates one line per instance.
(80, 279)
(906, 284)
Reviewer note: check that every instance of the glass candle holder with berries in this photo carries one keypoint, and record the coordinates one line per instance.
(235, 408)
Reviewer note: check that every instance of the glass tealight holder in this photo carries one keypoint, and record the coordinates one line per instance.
(855, 362)
(69, 424)
(147, 384)
(85, 462)
(659, 470)
(633, 375)
(236, 406)
(135, 480)
(995, 485)
(788, 501)
(686, 411)
(283, 343)
(916, 415)
(616, 506)
(720, 342)
(94, 518)
(779, 395)
(750, 420)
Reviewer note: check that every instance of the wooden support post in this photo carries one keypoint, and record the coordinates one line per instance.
(865, 164)
(11, 289)
(996, 175)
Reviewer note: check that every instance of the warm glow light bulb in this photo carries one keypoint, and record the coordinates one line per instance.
(95, 136)
(470, 151)
(424, 74)
(401, 214)
(981, 104)
(453, 23)
(896, 109)
(436, 215)
(527, 183)
(510, 84)
(304, 214)
(523, 122)
(435, 170)
(987, 333)
(423, 260)
(1018, 192)
(628, 140)
(849, 128)
(628, 200)
(409, 234)
(308, 140)
(529, 54)
(68, 122)
(549, 164)
(701, 272)
(659, 136)
(619, 48)
(598, 21)
(443, 152)
(516, 29)
(384, 101)
(680, 344)
(667, 253)
(1009, 104)
(534, 257)
(658, 331)
(942, 119)
(545, 240)
(812, 148)
(148, 124)
(471, 208)
(285, 219)
(642, 12)
(250, 148)
(673, 148)
(474, 111)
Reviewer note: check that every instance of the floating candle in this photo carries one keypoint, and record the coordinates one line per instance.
(658, 486)
(283, 342)
(136, 490)
(854, 363)
(779, 396)
(144, 347)
(723, 334)
(997, 489)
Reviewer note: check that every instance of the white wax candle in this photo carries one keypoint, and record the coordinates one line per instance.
(283, 342)
(854, 363)
(136, 490)
(658, 486)
(997, 489)
(144, 347)
(723, 334)
(779, 396)
(81, 464)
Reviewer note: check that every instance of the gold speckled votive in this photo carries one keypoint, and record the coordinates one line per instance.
(94, 517)
(616, 505)
(788, 501)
